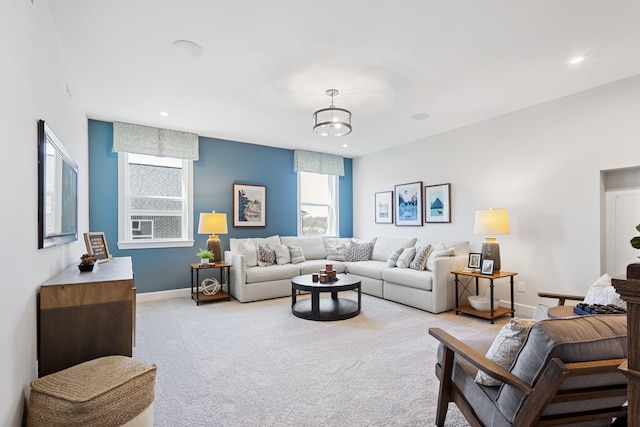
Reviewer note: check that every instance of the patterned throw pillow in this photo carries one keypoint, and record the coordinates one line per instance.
(360, 251)
(420, 260)
(248, 249)
(297, 256)
(505, 347)
(393, 258)
(406, 257)
(282, 254)
(336, 253)
(266, 255)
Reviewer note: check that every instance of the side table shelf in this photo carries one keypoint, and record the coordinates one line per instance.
(495, 312)
(222, 294)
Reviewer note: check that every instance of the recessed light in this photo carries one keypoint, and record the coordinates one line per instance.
(345, 145)
(164, 113)
(420, 116)
(576, 60)
(188, 47)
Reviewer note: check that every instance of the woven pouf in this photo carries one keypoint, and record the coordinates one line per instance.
(105, 392)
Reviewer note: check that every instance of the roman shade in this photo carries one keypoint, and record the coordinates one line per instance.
(310, 161)
(137, 139)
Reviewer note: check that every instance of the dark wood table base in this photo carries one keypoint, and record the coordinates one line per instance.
(316, 308)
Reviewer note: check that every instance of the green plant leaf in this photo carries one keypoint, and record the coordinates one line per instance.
(635, 242)
(638, 227)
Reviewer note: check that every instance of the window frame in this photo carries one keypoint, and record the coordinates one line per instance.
(334, 207)
(124, 212)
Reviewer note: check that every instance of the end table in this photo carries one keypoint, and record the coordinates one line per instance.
(495, 312)
(222, 294)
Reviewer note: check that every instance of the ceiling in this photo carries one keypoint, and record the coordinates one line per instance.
(266, 65)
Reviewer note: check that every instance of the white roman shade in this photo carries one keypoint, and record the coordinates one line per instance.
(137, 139)
(310, 161)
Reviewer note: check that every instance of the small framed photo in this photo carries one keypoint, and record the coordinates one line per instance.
(249, 205)
(408, 204)
(384, 207)
(437, 200)
(474, 260)
(487, 266)
(96, 244)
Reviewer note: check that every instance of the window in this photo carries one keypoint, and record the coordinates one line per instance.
(318, 204)
(155, 202)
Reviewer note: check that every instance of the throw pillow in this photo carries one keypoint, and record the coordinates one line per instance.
(603, 292)
(297, 256)
(505, 347)
(393, 258)
(248, 249)
(360, 251)
(420, 260)
(336, 253)
(438, 251)
(406, 257)
(282, 254)
(266, 255)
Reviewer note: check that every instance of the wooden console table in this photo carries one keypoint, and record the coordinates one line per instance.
(83, 316)
(495, 312)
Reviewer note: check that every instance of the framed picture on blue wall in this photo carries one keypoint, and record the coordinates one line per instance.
(408, 203)
(249, 205)
(437, 203)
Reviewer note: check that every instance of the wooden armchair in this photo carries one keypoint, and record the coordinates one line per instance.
(566, 373)
(561, 297)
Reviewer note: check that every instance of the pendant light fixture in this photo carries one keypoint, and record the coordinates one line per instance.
(332, 121)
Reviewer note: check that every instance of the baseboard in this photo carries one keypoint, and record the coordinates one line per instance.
(154, 296)
(522, 310)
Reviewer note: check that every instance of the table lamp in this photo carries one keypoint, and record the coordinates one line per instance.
(213, 223)
(490, 222)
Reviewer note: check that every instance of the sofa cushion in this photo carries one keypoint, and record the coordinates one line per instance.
(296, 254)
(419, 261)
(266, 255)
(312, 246)
(315, 265)
(406, 257)
(272, 272)
(360, 251)
(248, 249)
(393, 258)
(272, 241)
(371, 269)
(384, 246)
(505, 347)
(283, 256)
(409, 277)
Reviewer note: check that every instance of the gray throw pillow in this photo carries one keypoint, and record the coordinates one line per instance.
(297, 256)
(420, 260)
(266, 255)
(360, 251)
(393, 258)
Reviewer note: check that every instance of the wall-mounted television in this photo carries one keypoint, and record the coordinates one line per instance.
(57, 191)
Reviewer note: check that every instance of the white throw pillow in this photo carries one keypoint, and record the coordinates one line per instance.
(439, 250)
(420, 260)
(505, 347)
(603, 292)
(297, 256)
(393, 258)
(337, 252)
(250, 253)
(406, 257)
(282, 254)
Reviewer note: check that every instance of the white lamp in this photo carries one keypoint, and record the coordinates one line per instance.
(213, 223)
(491, 222)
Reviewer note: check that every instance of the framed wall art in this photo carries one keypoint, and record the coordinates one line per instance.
(437, 203)
(249, 205)
(384, 207)
(408, 203)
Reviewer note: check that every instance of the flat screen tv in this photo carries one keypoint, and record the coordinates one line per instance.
(57, 191)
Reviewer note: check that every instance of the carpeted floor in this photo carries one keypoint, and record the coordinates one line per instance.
(255, 364)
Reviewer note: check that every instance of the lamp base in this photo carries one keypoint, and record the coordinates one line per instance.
(491, 250)
(213, 244)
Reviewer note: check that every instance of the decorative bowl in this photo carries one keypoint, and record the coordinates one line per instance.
(85, 267)
(482, 303)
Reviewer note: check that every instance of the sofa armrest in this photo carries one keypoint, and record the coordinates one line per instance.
(443, 281)
(238, 276)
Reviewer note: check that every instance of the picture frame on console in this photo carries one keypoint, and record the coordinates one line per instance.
(437, 203)
(487, 266)
(249, 205)
(96, 244)
(384, 207)
(408, 204)
(475, 260)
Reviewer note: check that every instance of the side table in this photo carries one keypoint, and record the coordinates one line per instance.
(222, 294)
(495, 312)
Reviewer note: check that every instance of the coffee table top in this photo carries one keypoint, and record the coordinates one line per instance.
(344, 282)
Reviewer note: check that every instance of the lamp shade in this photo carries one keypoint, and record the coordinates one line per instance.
(491, 221)
(213, 223)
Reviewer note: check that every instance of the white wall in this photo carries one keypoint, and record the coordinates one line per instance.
(543, 163)
(33, 86)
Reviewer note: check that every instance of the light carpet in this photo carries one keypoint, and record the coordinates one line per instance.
(255, 364)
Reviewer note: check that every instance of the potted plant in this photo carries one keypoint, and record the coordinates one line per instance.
(633, 269)
(87, 261)
(206, 256)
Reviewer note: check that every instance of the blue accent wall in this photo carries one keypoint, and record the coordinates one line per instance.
(222, 163)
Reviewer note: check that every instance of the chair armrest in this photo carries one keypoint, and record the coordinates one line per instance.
(479, 360)
(561, 297)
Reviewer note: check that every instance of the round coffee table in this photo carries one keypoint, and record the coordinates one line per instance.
(316, 308)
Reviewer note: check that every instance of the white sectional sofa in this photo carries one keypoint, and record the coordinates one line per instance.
(427, 289)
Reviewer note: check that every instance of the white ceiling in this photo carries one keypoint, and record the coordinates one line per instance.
(267, 64)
